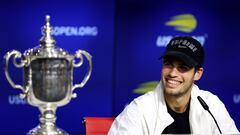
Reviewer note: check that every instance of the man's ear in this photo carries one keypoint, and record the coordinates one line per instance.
(198, 74)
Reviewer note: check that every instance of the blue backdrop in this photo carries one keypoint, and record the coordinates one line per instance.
(125, 39)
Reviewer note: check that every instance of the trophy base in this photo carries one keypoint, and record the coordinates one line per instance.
(47, 131)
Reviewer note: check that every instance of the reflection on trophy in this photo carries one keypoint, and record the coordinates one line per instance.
(48, 78)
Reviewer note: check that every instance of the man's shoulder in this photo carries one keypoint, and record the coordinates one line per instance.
(144, 102)
(146, 98)
(209, 97)
(206, 92)
(201, 92)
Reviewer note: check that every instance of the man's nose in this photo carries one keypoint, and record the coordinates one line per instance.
(173, 72)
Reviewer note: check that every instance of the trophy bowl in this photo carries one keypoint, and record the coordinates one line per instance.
(48, 78)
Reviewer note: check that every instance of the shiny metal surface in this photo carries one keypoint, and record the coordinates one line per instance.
(48, 78)
(52, 79)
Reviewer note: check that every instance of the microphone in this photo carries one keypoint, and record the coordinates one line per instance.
(205, 106)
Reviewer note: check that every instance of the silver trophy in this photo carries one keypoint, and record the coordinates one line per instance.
(48, 78)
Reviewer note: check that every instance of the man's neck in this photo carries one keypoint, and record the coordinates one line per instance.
(178, 104)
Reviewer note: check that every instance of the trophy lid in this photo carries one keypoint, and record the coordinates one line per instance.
(47, 48)
(47, 39)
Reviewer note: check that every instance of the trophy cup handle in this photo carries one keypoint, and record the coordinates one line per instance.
(79, 54)
(15, 54)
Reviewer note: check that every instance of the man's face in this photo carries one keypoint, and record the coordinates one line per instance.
(178, 78)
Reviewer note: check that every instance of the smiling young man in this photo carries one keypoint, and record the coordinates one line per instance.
(173, 107)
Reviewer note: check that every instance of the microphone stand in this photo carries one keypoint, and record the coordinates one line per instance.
(205, 106)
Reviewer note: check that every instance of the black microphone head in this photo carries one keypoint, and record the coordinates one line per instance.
(202, 102)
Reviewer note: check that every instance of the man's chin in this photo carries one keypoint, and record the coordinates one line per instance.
(172, 92)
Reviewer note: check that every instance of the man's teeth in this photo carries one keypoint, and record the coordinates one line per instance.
(173, 82)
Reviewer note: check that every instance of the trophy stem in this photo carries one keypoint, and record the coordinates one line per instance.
(47, 124)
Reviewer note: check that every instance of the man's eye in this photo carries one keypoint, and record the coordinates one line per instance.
(183, 68)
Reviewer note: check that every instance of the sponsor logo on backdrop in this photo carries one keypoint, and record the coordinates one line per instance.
(185, 23)
(75, 31)
(16, 100)
(236, 98)
(146, 87)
